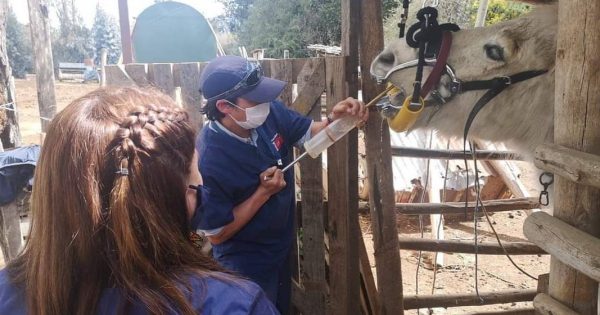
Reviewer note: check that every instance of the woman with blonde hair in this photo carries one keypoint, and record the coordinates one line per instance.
(115, 198)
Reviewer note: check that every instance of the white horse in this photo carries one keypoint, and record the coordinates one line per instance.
(522, 115)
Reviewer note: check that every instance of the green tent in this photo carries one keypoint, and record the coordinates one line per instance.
(173, 32)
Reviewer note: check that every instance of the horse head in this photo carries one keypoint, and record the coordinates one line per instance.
(522, 115)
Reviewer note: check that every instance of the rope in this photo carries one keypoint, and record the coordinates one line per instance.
(7, 107)
(10, 107)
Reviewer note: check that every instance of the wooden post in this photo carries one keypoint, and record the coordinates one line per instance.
(161, 76)
(10, 135)
(481, 13)
(103, 63)
(576, 116)
(282, 70)
(10, 229)
(350, 302)
(343, 229)
(42, 51)
(351, 28)
(379, 170)
(126, 47)
(313, 243)
(187, 76)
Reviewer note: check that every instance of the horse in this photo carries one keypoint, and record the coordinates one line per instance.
(522, 116)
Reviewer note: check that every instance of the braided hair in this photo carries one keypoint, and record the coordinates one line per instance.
(109, 209)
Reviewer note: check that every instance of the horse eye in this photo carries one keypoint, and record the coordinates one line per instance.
(494, 52)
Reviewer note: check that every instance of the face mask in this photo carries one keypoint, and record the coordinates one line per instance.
(255, 115)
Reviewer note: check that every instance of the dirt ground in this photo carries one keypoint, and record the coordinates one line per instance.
(457, 276)
(27, 104)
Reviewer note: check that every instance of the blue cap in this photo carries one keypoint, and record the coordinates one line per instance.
(222, 75)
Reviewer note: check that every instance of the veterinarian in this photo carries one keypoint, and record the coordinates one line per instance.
(249, 204)
(115, 193)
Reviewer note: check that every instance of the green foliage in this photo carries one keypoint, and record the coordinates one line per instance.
(105, 34)
(280, 25)
(236, 13)
(71, 42)
(275, 30)
(18, 46)
(500, 10)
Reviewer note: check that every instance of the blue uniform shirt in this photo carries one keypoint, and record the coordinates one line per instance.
(230, 170)
(214, 297)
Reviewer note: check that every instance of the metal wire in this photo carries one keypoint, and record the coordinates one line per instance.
(441, 220)
(478, 196)
(421, 217)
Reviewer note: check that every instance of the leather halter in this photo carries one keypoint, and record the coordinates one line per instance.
(440, 67)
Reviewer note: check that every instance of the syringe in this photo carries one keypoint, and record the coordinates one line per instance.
(332, 133)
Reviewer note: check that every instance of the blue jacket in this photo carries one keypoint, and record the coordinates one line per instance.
(230, 170)
(16, 171)
(211, 296)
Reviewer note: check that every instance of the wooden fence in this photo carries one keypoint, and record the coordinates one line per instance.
(332, 272)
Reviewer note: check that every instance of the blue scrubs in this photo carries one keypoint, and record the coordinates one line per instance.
(230, 170)
(211, 296)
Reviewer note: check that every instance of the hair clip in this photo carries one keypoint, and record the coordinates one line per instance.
(123, 171)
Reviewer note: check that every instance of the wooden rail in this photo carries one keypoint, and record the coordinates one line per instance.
(459, 207)
(453, 154)
(486, 248)
(546, 305)
(579, 167)
(499, 205)
(521, 311)
(454, 300)
(566, 243)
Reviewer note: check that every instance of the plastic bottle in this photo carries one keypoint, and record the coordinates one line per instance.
(328, 136)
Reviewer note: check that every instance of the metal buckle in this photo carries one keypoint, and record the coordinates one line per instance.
(508, 80)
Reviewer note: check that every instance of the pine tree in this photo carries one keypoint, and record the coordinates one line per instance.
(71, 42)
(18, 44)
(105, 33)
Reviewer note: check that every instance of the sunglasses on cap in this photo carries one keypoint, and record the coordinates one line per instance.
(254, 73)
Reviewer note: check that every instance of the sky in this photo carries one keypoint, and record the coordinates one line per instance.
(87, 8)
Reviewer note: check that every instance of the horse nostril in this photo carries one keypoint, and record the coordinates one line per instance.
(387, 58)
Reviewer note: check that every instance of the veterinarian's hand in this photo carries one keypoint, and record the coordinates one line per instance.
(350, 106)
(271, 181)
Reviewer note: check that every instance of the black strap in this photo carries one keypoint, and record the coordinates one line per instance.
(495, 86)
(403, 17)
(498, 81)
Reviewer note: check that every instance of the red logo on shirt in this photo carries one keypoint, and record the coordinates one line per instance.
(277, 141)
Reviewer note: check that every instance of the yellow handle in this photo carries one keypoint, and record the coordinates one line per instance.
(406, 117)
